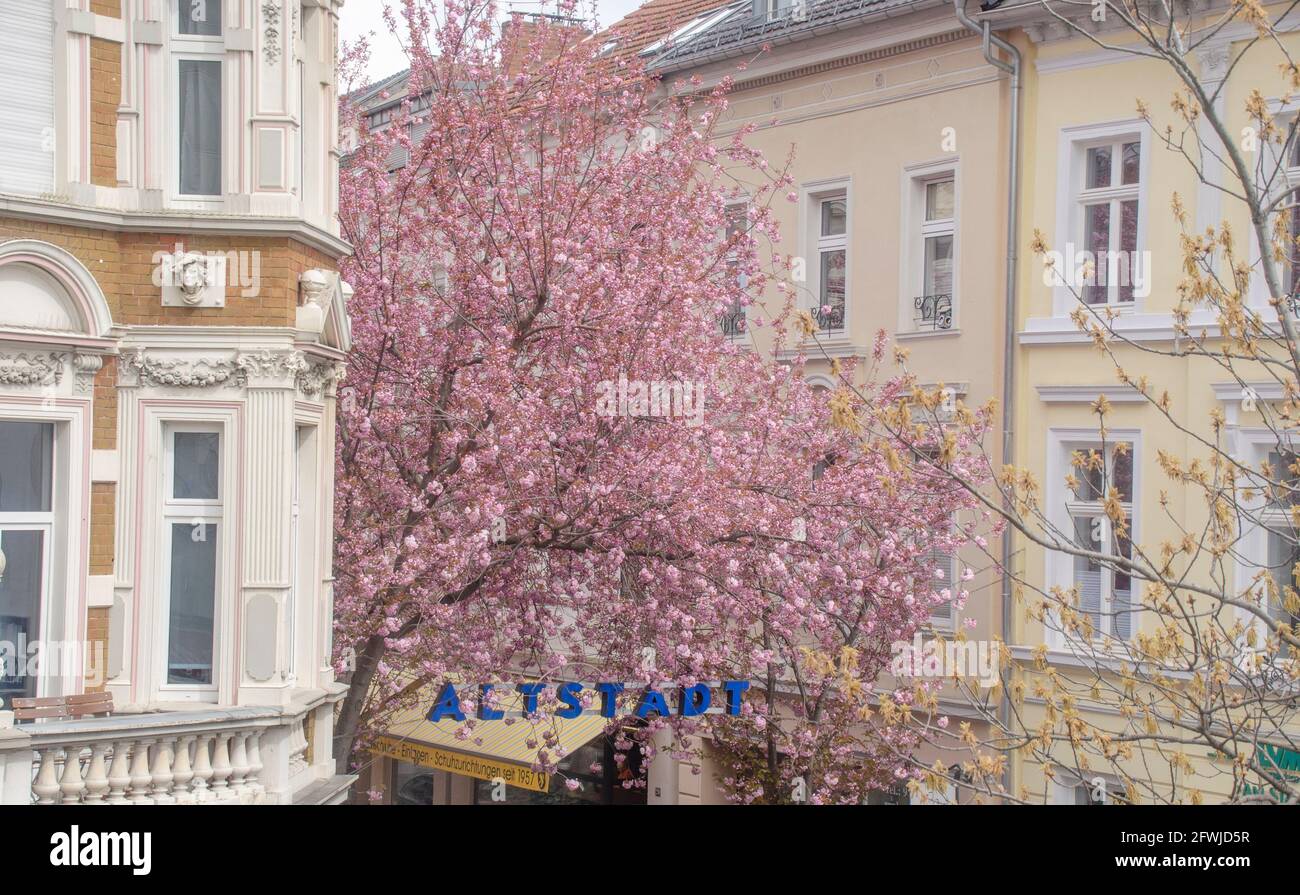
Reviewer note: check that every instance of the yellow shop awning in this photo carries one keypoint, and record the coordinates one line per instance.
(494, 749)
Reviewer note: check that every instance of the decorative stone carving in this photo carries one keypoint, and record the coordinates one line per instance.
(271, 31)
(317, 288)
(315, 285)
(86, 366)
(268, 367)
(318, 378)
(31, 369)
(193, 280)
(258, 368)
(1214, 61)
(199, 373)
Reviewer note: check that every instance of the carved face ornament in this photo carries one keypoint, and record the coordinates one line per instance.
(192, 276)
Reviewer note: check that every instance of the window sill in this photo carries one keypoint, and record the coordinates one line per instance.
(1130, 324)
(915, 335)
(835, 344)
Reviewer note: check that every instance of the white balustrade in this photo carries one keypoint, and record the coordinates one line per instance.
(152, 766)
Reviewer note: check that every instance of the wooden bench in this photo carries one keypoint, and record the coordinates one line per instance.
(62, 707)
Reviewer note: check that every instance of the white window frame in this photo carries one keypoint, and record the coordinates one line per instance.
(951, 580)
(1064, 509)
(1071, 178)
(194, 48)
(743, 205)
(173, 510)
(43, 522)
(814, 244)
(916, 229)
(1067, 782)
(67, 525)
(1258, 297)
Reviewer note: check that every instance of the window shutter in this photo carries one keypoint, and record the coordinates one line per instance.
(27, 96)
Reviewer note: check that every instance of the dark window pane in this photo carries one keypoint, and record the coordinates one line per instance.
(200, 17)
(938, 265)
(1131, 169)
(1128, 225)
(26, 466)
(1292, 264)
(1099, 164)
(1121, 471)
(1286, 490)
(1087, 573)
(193, 603)
(1283, 554)
(940, 200)
(1096, 480)
(195, 466)
(1096, 238)
(20, 607)
(200, 128)
(832, 289)
(834, 217)
(1122, 588)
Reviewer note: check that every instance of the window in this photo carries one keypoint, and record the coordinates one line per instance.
(732, 321)
(1106, 213)
(26, 527)
(941, 614)
(199, 17)
(938, 237)
(1283, 545)
(192, 528)
(832, 224)
(199, 49)
(1105, 594)
(27, 104)
(1291, 261)
(897, 794)
(776, 9)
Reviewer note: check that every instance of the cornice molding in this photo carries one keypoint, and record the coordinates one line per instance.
(60, 211)
(899, 49)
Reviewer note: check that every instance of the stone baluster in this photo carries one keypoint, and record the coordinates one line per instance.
(71, 783)
(202, 768)
(46, 784)
(119, 773)
(239, 764)
(255, 765)
(182, 773)
(221, 769)
(141, 779)
(161, 773)
(96, 775)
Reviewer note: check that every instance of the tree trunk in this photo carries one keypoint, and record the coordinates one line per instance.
(349, 720)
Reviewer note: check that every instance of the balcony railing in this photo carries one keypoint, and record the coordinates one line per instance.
(733, 323)
(933, 312)
(236, 755)
(830, 319)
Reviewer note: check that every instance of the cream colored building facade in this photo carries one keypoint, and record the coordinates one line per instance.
(900, 133)
(1081, 111)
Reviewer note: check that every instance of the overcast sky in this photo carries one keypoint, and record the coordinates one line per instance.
(363, 16)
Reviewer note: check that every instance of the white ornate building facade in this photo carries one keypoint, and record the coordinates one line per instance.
(172, 332)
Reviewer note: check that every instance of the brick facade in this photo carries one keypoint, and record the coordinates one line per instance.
(105, 98)
(124, 266)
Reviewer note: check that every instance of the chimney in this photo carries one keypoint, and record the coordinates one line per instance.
(521, 30)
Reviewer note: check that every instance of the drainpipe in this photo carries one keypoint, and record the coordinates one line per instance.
(990, 41)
